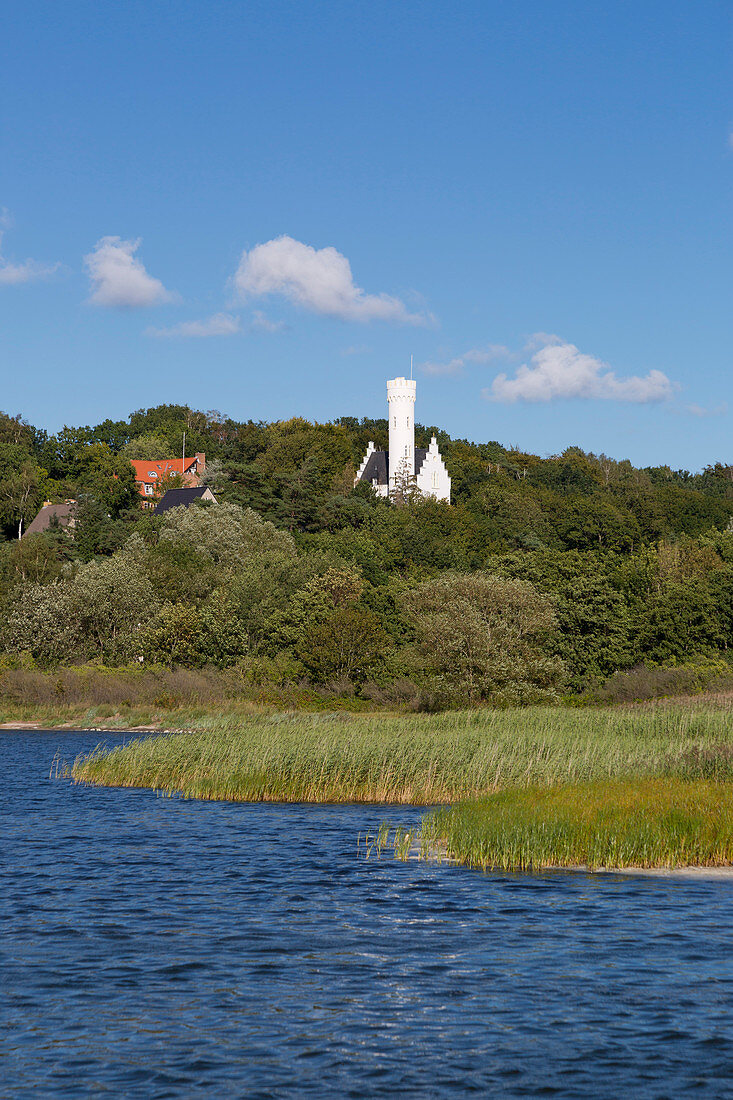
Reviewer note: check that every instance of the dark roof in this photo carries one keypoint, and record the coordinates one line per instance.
(180, 498)
(378, 466)
(63, 514)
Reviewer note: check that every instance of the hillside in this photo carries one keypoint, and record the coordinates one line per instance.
(578, 566)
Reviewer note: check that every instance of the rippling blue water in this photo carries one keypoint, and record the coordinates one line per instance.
(160, 948)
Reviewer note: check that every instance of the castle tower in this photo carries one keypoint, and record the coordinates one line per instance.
(401, 402)
(386, 471)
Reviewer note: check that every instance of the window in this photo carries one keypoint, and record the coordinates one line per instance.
(149, 490)
(435, 479)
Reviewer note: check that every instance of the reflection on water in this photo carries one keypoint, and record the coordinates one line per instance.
(161, 948)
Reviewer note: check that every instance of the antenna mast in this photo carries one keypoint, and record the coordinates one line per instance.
(411, 368)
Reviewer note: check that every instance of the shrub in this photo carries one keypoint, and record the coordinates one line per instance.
(349, 644)
(642, 683)
(480, 637)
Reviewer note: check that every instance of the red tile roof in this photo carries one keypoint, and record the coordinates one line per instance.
(150, 471)
(147, 469)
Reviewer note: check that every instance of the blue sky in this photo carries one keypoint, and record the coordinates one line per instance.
(533, 199)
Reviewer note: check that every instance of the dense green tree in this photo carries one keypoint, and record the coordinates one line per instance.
(22, 487)
(95, 532)
(180, 573)
(34, 559)
(38, 622)
(349, 643)
(195, 636)
(595, 628)
(109, 601)
(597, 522)
(149, 446)
(480, 637)
(228, 534)
(312, 604)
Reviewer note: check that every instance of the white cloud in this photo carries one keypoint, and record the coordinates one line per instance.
(560, 370)
(119, 279)
(261, 323)
(221, 324)
(473, 355)
(699, 410)
(12, 274)
(25, 272)
(320, 280)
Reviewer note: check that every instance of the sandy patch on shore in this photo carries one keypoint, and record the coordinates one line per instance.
(670, 872)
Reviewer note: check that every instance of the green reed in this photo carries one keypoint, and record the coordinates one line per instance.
(662, 822)
(417, 759)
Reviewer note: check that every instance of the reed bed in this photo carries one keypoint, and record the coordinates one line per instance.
(663, 822)
(416, 759)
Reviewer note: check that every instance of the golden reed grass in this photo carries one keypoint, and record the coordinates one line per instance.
(416, 759)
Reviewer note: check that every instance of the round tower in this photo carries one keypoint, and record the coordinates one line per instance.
(401, 401)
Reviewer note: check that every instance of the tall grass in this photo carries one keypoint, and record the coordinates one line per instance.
(662, 822)
(418, 759)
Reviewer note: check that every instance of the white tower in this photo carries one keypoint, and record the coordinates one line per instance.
(401, 401)
(386, 471)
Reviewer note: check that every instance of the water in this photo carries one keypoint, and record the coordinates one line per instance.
(154, 947)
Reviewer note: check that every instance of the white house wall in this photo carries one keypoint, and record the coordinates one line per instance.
(432, 477)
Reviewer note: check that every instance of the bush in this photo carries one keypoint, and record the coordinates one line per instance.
(349, 644)
(479, 638)
(643, 683)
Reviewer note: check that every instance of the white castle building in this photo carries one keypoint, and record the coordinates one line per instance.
(403, 464)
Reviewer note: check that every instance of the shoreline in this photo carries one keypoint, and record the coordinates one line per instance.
(642, 802)
(74, 727)
(541, 789)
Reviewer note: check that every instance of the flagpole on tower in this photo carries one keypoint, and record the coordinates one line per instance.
(411, 368)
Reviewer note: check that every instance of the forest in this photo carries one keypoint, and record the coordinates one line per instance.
(573, 576)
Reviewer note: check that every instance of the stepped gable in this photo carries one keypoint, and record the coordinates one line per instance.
(376, 469)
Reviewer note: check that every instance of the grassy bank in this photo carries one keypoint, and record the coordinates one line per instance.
(418, 759)
(95, 696)
(121, 698)
(663, 822)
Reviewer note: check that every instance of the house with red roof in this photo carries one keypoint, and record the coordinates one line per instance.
(151, 473)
